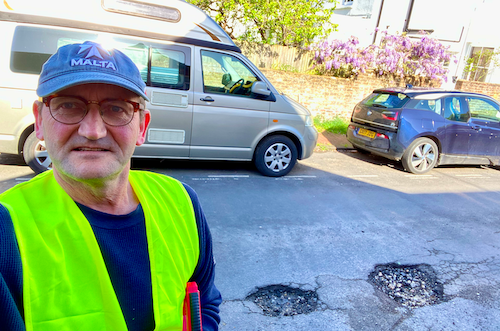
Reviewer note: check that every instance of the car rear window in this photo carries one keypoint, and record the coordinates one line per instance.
(386, 100)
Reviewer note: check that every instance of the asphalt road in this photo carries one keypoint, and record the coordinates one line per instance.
(329, 223)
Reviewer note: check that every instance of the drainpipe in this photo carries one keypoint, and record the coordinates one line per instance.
(378, 20)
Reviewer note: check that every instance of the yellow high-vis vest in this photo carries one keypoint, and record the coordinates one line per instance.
(66, 285)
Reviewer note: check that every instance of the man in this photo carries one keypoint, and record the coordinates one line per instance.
(92, 245)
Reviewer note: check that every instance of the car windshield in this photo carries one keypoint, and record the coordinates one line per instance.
(386, 100)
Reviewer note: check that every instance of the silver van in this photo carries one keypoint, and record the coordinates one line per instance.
(208, 101)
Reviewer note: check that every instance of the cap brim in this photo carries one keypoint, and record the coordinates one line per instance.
(62, 82)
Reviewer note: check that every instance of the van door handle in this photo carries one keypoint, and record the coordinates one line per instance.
(477, 127)
(207, 99)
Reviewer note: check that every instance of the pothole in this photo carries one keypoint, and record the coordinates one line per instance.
(281, 300)
(412, 286)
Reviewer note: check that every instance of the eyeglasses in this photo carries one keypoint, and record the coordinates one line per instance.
(72, 109)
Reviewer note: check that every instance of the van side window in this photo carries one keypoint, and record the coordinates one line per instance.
(431, 105)
(139, 54)
(225, 74)
(454, 110)
(169, 69)
(32, 46)
(483, 109)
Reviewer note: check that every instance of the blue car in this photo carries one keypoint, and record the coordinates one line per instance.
(424, 128)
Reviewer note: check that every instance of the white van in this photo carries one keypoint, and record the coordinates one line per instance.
(208, 101)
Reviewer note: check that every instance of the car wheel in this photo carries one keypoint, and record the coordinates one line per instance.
(35, 154)
(421, 156)
(275, 156)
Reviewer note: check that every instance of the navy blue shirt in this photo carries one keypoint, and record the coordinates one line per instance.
(123, 243)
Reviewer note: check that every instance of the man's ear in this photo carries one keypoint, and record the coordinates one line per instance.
(143, 128)
(37, 112)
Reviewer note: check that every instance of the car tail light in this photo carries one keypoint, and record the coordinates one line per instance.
(352, 127)
(390, 115)
(381, 135)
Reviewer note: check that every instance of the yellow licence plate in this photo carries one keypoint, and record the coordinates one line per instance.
(367, 133)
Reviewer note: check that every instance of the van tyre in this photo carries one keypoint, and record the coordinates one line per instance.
(275, 156)
(421, 156)
(35, 154)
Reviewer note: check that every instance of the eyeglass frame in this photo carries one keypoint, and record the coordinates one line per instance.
(137, 107)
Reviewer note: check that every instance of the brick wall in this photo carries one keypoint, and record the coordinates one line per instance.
(331, 96)
(493, 90)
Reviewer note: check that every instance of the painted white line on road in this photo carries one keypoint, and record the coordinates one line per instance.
(469, 175)
(362, 176)
(204, 178)
(22, 179)
(301, 176)
(228, 176)
(419, 176)
(475, 177)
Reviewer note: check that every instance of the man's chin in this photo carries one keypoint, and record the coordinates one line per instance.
(88, 172)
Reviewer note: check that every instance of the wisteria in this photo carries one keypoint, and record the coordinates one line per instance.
(397, 55)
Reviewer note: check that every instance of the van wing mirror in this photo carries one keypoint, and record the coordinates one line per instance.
(259, 87)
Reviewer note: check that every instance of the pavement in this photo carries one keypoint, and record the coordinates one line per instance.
(328, 142)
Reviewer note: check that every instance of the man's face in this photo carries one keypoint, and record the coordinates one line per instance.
(91, 149)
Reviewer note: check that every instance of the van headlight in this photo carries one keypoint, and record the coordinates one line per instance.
(309, 121)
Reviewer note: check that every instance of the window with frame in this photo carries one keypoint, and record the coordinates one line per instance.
(478, 63)
(226, 74)
(430, 105)
(454, 110)
(170, 65)
(169, 68)
(483, 109)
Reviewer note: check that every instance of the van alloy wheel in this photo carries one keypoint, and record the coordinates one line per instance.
(35, 154)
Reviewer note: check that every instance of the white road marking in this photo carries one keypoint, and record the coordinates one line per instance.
(362, 176)
(305, 176)
(228, 176)
(469, 175)
(419, 176)
(22, 179)
(204, 178)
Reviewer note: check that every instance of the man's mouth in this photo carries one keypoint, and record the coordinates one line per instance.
(87, 149)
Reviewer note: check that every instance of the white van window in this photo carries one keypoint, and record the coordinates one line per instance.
(226, 74)
(32, 46)
(170, 66)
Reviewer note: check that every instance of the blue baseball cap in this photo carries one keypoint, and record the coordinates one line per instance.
(87, 63)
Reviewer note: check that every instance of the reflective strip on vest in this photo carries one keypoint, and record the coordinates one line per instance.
(65, 282)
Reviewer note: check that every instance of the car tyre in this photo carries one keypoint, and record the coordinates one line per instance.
(275, 156)
(35, 154)
(421, 156)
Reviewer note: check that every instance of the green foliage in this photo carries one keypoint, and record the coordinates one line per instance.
(334, 125)
(478, 61)
(284, 67)
(283, 22)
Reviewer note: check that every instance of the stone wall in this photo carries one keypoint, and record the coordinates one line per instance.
(331, 96)
(493, 90)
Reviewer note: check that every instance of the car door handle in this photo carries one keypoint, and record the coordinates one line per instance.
(207, 99)
(476, 127)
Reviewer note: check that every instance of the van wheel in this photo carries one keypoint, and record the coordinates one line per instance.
(35, 154)
(421, 156)
(275, 156)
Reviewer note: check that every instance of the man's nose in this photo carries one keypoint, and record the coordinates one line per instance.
(92, 126)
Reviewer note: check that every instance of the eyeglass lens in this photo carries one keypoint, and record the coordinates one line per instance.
(70, 110)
